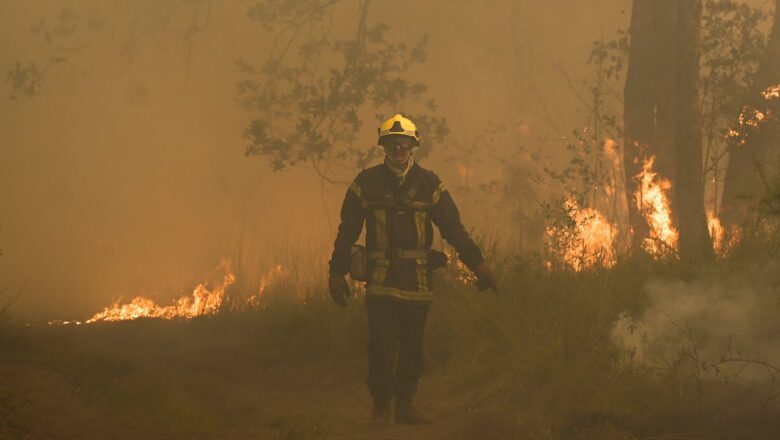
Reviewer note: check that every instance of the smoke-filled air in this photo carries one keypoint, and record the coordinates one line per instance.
(364, 219)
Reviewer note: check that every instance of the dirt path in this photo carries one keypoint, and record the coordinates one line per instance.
(326, 400)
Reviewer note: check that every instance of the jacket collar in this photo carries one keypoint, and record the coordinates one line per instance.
(400, 173)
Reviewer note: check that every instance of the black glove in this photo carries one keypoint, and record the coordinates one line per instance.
(485, 278)
(339, 290)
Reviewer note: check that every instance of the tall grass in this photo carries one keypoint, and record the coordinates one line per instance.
(535, 361)
(538, 358)
(542, 358)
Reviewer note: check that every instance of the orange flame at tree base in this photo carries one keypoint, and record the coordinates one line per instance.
(716, 233)
(653, 202)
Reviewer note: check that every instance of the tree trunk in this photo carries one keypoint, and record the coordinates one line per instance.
(661, 117)
(650, 100)
(742, 177)
(689, 189)
(639, 108)
(665, 93)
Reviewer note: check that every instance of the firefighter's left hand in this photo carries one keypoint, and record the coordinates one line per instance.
(339, 289)
(485, 278)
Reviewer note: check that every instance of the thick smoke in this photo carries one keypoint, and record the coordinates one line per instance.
(126, 174)
(720, 329)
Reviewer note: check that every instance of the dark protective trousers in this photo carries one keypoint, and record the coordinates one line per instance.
(396, 329)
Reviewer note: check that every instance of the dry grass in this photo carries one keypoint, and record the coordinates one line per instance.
(533, 362)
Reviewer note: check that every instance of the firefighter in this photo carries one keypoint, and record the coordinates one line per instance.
(398, 201)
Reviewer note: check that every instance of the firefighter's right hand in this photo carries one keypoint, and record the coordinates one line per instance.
(339, 290)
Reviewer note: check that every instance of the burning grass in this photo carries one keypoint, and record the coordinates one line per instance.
(206, 299)
(587, 239)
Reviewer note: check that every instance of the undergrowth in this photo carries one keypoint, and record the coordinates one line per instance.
(537, 360)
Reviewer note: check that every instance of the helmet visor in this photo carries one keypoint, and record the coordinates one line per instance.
(398, 141)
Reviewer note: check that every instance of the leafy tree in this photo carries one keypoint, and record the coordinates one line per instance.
(730, 45)
(753, 133)
(310, 96)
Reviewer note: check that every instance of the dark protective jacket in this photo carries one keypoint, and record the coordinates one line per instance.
(399, 217)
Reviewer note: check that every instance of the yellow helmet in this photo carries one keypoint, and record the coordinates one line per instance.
(399, 125)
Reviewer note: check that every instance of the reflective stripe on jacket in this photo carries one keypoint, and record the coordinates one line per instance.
(399, 217)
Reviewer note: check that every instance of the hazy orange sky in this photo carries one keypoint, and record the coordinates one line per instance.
(128, 176)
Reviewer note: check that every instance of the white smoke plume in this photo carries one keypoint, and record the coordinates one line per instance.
(719, 329)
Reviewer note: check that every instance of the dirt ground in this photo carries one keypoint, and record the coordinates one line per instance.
(269, 377)
(319, 401)
(53, 387)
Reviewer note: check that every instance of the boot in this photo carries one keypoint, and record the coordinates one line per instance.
(407, 414)
(380, 415)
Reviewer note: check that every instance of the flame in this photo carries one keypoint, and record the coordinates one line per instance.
(203, 301)
(722, 241)
(271, 277)
(611, 150)
(771, 92)
(462, 274)
(589, 243)
(653, 202)
(752, 119)
(716, 232)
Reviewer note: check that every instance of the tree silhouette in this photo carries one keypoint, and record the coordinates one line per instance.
(310, 96)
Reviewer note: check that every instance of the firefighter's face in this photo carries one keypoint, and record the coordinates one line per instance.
(398, 149)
